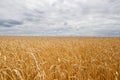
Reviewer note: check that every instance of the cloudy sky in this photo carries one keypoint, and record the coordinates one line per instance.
(60, 17)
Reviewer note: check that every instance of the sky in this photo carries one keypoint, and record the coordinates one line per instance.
(60, 17)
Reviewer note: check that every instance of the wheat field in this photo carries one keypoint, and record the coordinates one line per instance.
(59, 58)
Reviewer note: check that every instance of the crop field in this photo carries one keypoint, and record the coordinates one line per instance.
(59, 58)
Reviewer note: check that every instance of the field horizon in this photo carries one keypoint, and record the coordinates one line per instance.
(59, 58)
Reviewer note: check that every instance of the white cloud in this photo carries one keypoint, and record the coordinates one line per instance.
(60, 17)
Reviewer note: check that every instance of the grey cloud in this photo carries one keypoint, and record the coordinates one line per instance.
(105, 32)
(9, 23)
(60, 17)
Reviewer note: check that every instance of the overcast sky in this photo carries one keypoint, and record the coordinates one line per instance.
(60, 17)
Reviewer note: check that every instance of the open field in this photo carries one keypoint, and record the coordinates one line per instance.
(59, 58)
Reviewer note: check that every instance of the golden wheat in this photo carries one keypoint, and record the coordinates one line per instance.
(59, 58)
